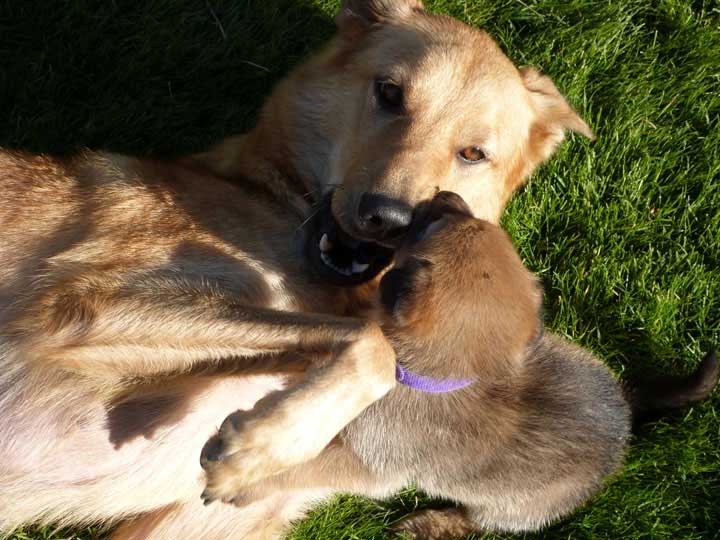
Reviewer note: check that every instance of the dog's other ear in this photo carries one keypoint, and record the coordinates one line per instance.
(356, 16)
(554, 115)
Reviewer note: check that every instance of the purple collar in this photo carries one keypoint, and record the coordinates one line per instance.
(428, 384)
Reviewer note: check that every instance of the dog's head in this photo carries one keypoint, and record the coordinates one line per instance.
(406, 103)
(458, 286)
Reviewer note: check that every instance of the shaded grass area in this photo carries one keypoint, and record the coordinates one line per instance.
(625, 231)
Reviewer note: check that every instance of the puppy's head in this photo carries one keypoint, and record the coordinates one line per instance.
(459, 286)
(407, 103)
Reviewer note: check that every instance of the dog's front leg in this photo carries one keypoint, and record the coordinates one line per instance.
(152, 329)
(292, 427)
(337, 469)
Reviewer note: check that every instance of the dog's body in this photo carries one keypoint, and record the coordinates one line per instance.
(132, 292)
(64, 438)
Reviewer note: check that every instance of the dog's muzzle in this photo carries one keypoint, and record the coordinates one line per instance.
(339, 258)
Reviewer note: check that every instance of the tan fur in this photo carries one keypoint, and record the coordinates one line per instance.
(322, 124)
(122, 276)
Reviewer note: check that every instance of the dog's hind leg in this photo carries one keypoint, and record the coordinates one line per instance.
(265, 519)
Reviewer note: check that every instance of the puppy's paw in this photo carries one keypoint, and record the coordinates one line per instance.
(433, 525)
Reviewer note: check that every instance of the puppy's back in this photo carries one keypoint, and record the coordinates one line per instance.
(574, 412)
(571, 430)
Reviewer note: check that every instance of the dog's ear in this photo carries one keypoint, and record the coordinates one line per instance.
(554, 115)
(356, 16)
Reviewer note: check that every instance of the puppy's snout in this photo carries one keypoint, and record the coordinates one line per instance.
(447, 202)
(382, 218)
(429, 216)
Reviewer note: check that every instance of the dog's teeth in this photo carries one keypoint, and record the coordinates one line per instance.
(344, 271)
(359, 268)
(325, 244)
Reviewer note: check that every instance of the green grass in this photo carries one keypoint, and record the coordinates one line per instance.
(625, 231)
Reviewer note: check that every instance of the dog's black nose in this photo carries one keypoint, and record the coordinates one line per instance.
(382, 218)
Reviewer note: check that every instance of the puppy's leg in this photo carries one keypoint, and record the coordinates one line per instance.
(436, 524)
(142, 333)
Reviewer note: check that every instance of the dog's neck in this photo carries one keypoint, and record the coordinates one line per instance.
(289, 152)
(298, 127)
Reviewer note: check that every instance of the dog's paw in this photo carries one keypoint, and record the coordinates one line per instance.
(433, 525)
(244, 451)
(221, 485)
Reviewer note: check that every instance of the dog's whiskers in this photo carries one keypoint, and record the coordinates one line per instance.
(317, 206)
(312, 215)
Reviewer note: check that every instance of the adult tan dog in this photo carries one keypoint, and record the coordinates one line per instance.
(133, 291)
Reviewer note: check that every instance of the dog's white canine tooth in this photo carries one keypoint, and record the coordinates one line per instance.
(325, 244)
(326, 260)
(359, 268)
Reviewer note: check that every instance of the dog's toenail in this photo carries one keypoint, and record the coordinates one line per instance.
(207, 498)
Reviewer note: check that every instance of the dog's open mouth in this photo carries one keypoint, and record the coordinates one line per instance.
(339, 258)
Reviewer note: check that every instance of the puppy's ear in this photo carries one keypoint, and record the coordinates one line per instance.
(356, 16)
(401, 290)
(554, 115)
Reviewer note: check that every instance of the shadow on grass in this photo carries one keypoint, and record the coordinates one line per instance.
(157, 77)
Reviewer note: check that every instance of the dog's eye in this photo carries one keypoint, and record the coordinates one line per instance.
(389, 95)
(472, 154)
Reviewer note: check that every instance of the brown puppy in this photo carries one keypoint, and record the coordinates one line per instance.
(515, 427)
(132, 291)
